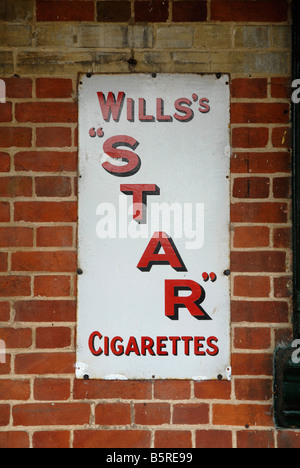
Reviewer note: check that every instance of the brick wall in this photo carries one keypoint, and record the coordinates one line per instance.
(43, 45)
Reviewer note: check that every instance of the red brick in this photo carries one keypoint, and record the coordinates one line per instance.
(249, 11)
(51, 439)
(213, 390)
(5, 368)
(260, 261)
(45, 212)
(251, 236)
(151, 12)
(282, 137)
(283, 287)
(4, 415)
(15, 136)
(49, 10)
(52, 389)
(53, 137)
(259, 213)
(261, 163)
(46, 414)
(282, 187)
(288, 439)
(260, 311)
(123, 390)
(152, 414)
(242, 415)
(191, 413)
(45, 311)
(259, 112)
(45, 363)
(18, 87)
(171, 439)
(4, 311)
(252, 338)
(13, 286)
(14, 439)
(46, 161)
(3, 261)
(16, 237)
(53, 186)
(190, 11)
(4, 212)
(4, 162)
(52, 286)
(113, 11)
(14, 389)
(281, 88)
(113, 414)
(254, 88)
(250, 137)
(53, 338)
(15, 187)
(46, 112)
(60, 236)
(213, 439)
(44, 261)
(112, 439)
(252, 286)
(6, 112)
(282, 237)
(54, 88)
(172, 390)
(251, 187)
(255, 439)
(253, 389)
(16, 337)
(252, 364)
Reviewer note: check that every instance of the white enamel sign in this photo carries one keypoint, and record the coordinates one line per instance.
(153, 284)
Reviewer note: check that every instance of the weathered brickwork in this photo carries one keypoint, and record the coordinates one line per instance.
(43, 46)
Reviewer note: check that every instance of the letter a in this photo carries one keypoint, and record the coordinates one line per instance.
(151, 256)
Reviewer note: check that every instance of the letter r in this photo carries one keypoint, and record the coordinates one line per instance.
(192, 302)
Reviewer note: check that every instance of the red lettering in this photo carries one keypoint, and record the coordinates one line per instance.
(111, 106)
(117, 351)
(215, 349)
(173, 302)
(188, 113)
(174, 340)
(143, 117)
(110, 147)
(147, 345)
(187, 340)
(151, 256)
(160, 112)
(140, 192)
(204, 107)
(132, 347)
(92, 348)
(160, 346)
(198, 345)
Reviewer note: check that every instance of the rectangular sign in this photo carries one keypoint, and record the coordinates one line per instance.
(153, 283)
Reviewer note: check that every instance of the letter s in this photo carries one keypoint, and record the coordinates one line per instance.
(110, 147)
